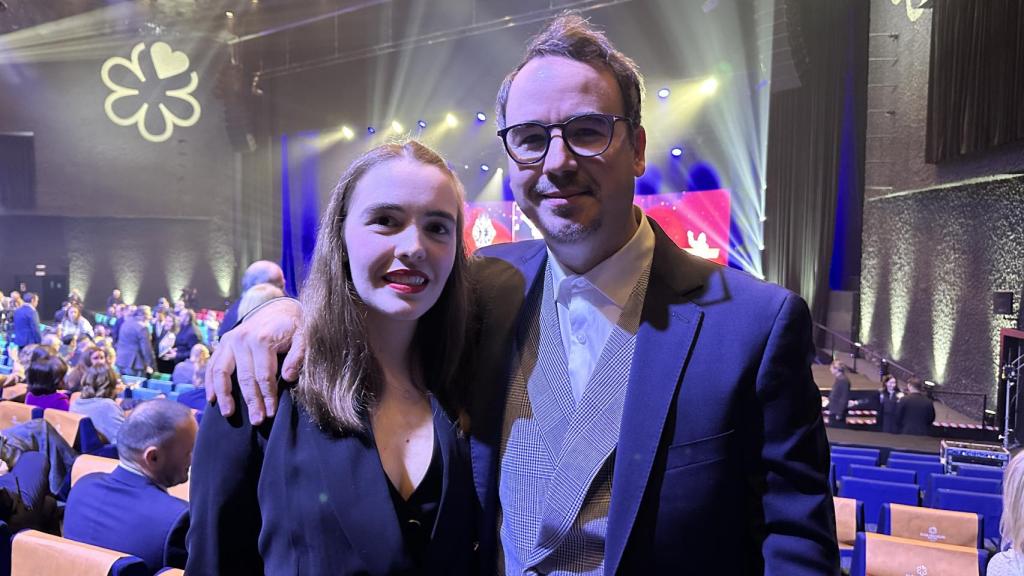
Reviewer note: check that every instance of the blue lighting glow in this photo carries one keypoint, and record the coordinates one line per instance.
(371, 130)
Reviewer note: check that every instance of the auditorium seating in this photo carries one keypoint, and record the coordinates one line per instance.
(932, 525)
(882, 555)
(15, 392)
(144, 393)
(77, 429)
(940, 481)
(988, 505)
(884, 474)
(896, 455)
(873, 493)
(34, 553)
(88, 464)
(923, 468)
(844, 461)
(14, 413)
(874, 453)
(161, 385)
(849, 521)
(978, 471)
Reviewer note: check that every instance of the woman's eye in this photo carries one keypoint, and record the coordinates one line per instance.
(384, 220)
(441, 229)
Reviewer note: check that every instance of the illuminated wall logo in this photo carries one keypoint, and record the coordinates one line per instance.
(912, 13)
(168, 65)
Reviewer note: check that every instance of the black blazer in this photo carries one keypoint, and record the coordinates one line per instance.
(289, 498)
(916, 414)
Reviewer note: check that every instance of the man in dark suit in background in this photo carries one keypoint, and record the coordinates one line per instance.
(134, 346)
(916, 412)
(839, 396)
(129, 509)
(635, 410)
(26, 322)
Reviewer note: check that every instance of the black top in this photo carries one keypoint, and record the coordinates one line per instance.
(417, 514)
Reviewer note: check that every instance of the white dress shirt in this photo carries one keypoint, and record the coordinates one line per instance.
(589, 305)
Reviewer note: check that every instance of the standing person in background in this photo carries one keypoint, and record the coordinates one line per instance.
(135, 344)
(915, 411)
(259, 272)
(188, 336)
(839, 396)
(26, 322)
(114, 298)
(165, 333)
(1010, 562)
(889, 399)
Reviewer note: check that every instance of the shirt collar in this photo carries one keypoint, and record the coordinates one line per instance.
(616, 276)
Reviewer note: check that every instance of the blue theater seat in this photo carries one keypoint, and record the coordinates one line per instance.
(939, 481)
(914, 557)
(874, 453)
(926, 520)
(924, 468)
(990, 506)
(884, 474)
(979, 471)
(912, 456)
(844, 461)
(873, 493)
(144, 393)
(160, 385)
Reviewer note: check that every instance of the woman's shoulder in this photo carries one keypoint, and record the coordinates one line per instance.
(1007, 563)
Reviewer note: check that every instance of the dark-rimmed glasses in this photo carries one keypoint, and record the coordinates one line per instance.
(586, 135)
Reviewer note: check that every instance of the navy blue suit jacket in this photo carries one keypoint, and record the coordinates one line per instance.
(126, 512)
(26, 326)
(722, 461)
(289, 498)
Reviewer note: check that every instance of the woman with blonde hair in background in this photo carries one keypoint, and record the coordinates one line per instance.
(1011, 561)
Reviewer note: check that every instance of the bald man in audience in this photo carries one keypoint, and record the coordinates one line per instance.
(129, 509)
(259, 272)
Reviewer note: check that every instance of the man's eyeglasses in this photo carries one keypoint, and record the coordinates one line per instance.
(586, 136)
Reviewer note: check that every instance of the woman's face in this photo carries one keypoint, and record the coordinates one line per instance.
(890, 384)
(73, 314)
(98, 358)
(400, 237)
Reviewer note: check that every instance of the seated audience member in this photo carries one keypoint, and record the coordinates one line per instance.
(51, 342)
(197, 359)
(102, 335)
(99, 389)
(257, 295)
(45, 376)
(1010, 562)
(73, 326)
(129, 509)
(196, 399)
(80, 361)
(915, 411)
(21, 361)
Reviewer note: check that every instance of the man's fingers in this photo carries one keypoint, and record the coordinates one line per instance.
(265, 371)
(218, 378)
(246, 373)
(293, 360)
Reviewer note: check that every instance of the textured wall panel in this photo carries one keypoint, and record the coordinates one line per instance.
(931, 260)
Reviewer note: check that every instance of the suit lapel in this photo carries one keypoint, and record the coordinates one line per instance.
(669, 325)
(550, 391)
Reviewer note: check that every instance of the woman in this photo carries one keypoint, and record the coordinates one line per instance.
(889, 398)
(99, 388)
(188, 336)
(73, 326)
(89, 357)
(1010, 562)
(45, 375)
(362, 471)
(184, 371)
(165, 334)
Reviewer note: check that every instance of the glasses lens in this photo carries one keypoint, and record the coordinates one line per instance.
(589, 135)
(527, 142)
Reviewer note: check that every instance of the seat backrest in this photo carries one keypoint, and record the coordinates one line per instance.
(34, 553)
(940, 481)
(932, 525)
(179, 491)
(65, 423)
(881, 555)
(145, 393)
(885, 474)
(874, 453)
(990, 506)
(15, 391)
(171, 572)
(844, 461)
(849, 519)
(874, 492)
(923, 468)
(895, 455)
(87, 464)
(979, 471)
(154, 384)
(14, 413)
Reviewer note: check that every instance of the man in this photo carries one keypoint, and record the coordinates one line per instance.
(839, 396)
(915, 411)
(129, 509)
(26, 322)
(135, 344)
(259, 272)
(636, 410)
(114, 298)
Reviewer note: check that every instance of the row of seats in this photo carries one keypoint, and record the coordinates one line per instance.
(77, 429)
(147, 389)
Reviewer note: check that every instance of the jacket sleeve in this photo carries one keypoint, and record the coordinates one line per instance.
(37, 333)
(226, 520)
(798, 510)
(175, 552)
(146, 345)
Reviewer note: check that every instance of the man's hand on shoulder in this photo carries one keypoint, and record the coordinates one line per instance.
(251, 350)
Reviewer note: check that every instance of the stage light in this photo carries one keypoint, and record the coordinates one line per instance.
(481, 117)
(396, 127)
(422, 123)
(347, 133)
(929, 383)
(677, 152)
(663, 93)
(40, 266)
(485, 168)
(858, 344)
(450, 120)
(229, 14)
(709, 86)
(371, 130)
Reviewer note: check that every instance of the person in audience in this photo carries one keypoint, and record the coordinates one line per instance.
(92, 357)
(196, 398)
(16, 299)
(45, 376)
(386, 315)
(73, 379)
(73, 325)
(163, 305)
(129, 509)
(196, 361)
(102, 335)
(51, 341)
(165, 332)
(26, 322)
(99, 389)
(259, 272)
(839, 396)
(1010, 562)
(915, 411)
(114, 298)
(889, 400)
(121, 314)
(188, 336)
(135, 345)
(257, 295)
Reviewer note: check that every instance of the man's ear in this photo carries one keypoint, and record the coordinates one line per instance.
(639, 151)
(151, 456)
